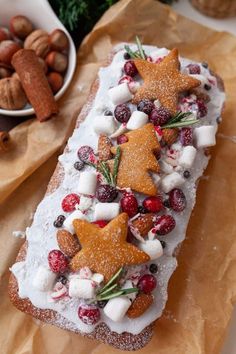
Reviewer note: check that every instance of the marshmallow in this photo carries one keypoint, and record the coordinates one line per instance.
(120, 94)
(121, 130)
(127, 285)
(104, 125)
(165, 167)
(68, 223)
(187, 157)
(85, 203)
(82, 288)
(204, 136)
(117, 307)
(137, 120)
(152, 247)
(171, 181)
(156, 178)
(44, 279)
(106, 211)
(98, 278)
(159, 53)
(87, 183)
(85, 273)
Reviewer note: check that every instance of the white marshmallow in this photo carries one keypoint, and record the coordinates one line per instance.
(44, 279)
(152, 234)
(106, 211)
(82, 288)
(187, 157)
(117, 307)
(171, 181)
(137, 120)
(156, 178)
(85, 203)
(204, 136)
(165, 167)
(120, 94)
(68, 223)
(85, 273)
(152, 247)
(159, 53)
(98, 278)
(127, 285)
(87, 183)
(104, 125)
(121, 130)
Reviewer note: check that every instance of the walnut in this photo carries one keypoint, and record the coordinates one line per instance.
(12, 95)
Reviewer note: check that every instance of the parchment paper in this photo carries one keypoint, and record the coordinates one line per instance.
(203, 288)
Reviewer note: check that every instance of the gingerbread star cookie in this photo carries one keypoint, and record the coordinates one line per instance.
(105, 250)
(163, 81)
(138, 159)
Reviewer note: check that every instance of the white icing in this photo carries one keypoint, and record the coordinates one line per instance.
(41, 236)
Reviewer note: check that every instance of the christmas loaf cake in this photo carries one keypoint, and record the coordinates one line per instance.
(101, 249)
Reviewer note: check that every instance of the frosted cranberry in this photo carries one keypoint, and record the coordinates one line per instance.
(129, 205)
(177, 200)
(89, 314)
(85, 152)
(122, 113)
(145, 106)
(202, 109)
(57, 261)
(79, 165)
(147, 283)
(194, 69)
(100, 223)
(130, 68)
(164, 224)
(153, 204)
(69, 202)
(106, 193)
(186, 136)
(125, 78)
(121, 139)
(159, 116)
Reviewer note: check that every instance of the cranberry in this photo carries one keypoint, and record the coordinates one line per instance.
(106, 193)
(69, 202)
(126, 56)
(57, 261)
(146, 106)
(125, 78)
(85, 152)
(202, 109)
(100, 223)
(153, 268)
(142, 210)
(130, 68)
(194, 69)
(177, 200)
(79, 165)
(122, 113)
(147, 283)
(186, 136)
(59, 221)
(129, 204)
(89, 314)
(153, 204)
(186, 174)
(159, 116)
(164, 224)
(121, 139)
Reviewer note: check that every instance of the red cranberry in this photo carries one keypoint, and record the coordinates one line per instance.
(147, 283)
(153, 204)
(159, 116)
(186, 136)
(122, 113)
(130, 68)
(121, 139)
(85, 152)
(202, 109)
(129, 205)
(146, 106)
(125, 78)
(100, 223)
(194, 69)
(164, 224)
(177, 200)
(69, 202)
(106, 193)
(57, 261)
(89, 314)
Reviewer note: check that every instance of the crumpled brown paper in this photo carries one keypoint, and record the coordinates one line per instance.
(203, 288)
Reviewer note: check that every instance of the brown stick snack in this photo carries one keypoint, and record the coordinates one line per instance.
(4, 140)
(35, 84)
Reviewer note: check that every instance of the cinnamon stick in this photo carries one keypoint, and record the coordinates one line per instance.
(4, 141)
(35, 84)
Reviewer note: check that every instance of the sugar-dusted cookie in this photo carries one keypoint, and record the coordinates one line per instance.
(163, 81)
(105, 250)
(138, 159)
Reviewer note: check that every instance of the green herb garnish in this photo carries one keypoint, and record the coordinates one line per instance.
(139, 54)
(180, 119)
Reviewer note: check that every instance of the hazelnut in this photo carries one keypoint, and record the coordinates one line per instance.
(38, 40)
(7, 49)
(5, 73)
(43, 64)
(12, 95)
(57, 61)
(15, 76)
(4, 34)
(55, 81)
(58, 40)
(21, 26)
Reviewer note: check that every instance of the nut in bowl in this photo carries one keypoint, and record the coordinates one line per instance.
(27, 27)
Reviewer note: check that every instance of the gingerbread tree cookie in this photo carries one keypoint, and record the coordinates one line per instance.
(137, 159)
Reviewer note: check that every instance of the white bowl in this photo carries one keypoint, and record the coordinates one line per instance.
(42, 16)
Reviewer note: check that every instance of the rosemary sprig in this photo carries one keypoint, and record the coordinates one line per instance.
(179, 116)
(117, 293)
(116, 164)
(140, 49)
(185, 123)
(180, 119)
(139, 54)
(112, 280)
